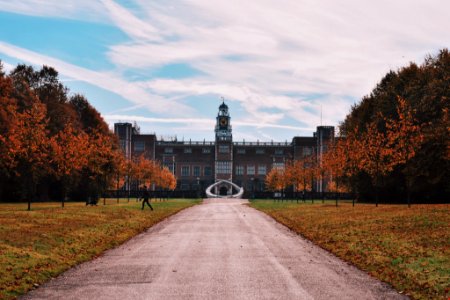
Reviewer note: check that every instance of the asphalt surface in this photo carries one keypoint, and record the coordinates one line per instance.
(221, 249)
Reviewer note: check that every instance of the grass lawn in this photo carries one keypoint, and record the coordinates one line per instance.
(406, 247)
(39, 244)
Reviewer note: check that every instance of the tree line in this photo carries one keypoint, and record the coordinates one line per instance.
(394, 144)
(54, 145)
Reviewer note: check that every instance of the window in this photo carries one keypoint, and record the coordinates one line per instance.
(223, 167)
(196, 171)
(239, 170)
(168, 150)
(139, 146)
(260, 151)
(262, 170)
(279, 151)
(250, 170)
(185, 171)
(279, 166)
(307, 151)
(224, 149)
(187, 150)
(241, 151)
(207, 171)
(206, 150)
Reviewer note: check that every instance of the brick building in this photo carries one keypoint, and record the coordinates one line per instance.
(199, 164)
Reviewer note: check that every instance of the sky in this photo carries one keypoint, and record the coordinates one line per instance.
(283, 67)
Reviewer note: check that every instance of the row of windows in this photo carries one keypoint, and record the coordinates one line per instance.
(196, 171)
(260, 151)
(186, 150)
(224, 167)
(262, 170)
(139, 146)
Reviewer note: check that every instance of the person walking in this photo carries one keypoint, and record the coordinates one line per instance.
(146, 197)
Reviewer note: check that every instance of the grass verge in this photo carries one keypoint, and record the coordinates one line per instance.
(40, 244)
(408, 248)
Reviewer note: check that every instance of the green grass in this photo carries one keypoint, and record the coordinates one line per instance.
(406, 247)
(40, 244)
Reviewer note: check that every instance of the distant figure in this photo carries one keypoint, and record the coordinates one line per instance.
(145, 197)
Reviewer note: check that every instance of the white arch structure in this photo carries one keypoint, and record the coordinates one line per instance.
(239, 194)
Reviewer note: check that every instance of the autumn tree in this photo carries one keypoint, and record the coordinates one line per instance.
(69, 155)
(102, 165)
(49, 141)
(404, 138)
(276, 180)
(9, 143)
(376, 156)
(426, 90)
(146, 171)
(165, 179)
(298, 176)
(333, 167)
(121, 171)
(33, 152)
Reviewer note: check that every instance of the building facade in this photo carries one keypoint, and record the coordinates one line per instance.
(198, 164)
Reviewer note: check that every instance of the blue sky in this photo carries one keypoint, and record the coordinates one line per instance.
(278, 64)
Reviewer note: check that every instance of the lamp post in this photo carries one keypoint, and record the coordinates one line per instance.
(253, 187)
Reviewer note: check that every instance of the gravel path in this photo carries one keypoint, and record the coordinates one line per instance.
(221, 249)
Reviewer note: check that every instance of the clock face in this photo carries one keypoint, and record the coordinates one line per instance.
(223, 122)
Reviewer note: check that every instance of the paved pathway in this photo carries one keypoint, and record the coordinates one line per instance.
(219, 250)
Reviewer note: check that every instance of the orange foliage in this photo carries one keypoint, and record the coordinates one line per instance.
(298, 174)
(276, 180)
(404, 137)
(166, 179)
(29, 137)
(69, 151)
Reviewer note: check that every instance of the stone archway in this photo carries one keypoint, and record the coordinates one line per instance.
(210, 194)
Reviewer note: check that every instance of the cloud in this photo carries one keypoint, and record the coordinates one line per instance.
(263, 53)
(209, 123)
(108, 81)
(85, 10)
(285, 64)
(131, 25)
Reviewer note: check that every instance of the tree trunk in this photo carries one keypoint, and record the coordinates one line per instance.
(376, 196)
(31, 193)
(117, 191)
(337, 193)
(408, 191)
(63, 187)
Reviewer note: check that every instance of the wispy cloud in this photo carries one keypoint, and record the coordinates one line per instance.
(339, 50)
(108, 81)
(85, 10)
(209, 123)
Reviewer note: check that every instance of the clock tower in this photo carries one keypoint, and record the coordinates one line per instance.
(224, 145)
